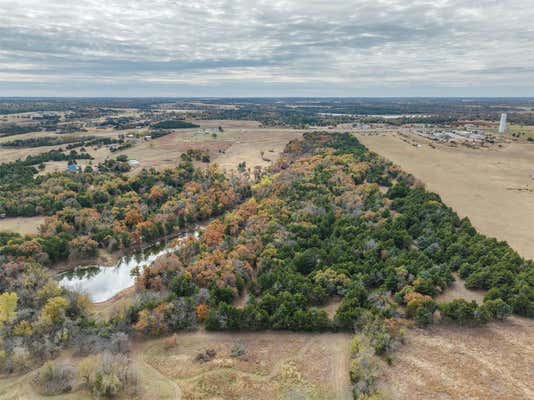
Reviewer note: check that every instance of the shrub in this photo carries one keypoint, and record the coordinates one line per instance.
(464, 313)
(424, 315)
(413, 301)
(382, 334)
(238, 350)
(497, 309)
(120, 343)
(421, 308)
(54, 379)
(364, 369)
(205, 356)
(107, 375)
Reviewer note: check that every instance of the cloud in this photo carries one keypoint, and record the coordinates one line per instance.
(246, 47)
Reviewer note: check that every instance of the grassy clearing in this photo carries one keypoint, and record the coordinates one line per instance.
(492, 362)
(275, 365)
(22, 225)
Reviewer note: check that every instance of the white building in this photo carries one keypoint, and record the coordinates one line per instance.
(502, 125)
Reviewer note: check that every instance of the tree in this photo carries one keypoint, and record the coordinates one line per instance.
(424, 315)
(202, 311)
(497, 309)
(132, 217)
(213, 234)
(8, 307)
(82, 247)
(464, 312)
(54, 309)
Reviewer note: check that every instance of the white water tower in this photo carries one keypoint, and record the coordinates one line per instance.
(502, 125)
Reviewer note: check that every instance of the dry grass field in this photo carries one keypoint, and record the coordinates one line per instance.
(240, 141)
(227, 124)
(274, 366)
(494, 186)
(444, 362)
(453, 363)
(22, 225)
(8, 154)
(247, 146)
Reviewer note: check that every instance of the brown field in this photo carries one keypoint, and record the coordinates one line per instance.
(494, 186)
(164, 152)
(247, 146)
(453, 363)
(275, 366)
(8, 154)
(227, 123)
(22, 225)
(240, 141)
(237, 143)
(13, 154)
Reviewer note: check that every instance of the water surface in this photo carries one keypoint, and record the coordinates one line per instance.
(101, 282)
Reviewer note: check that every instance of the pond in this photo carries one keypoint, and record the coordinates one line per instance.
(101, 282)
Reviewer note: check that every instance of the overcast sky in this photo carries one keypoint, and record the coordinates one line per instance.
(267, 48)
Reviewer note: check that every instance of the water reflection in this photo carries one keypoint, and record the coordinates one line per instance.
(101, 283)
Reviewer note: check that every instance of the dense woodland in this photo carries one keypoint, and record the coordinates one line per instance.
(12, 130)
(174, 124)
(47, 141)
(330, 220)
(109, 210)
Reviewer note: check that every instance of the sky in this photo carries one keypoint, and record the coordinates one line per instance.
(267, 48)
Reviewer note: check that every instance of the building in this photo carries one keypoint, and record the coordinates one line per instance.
(72, 168)
(502, 124)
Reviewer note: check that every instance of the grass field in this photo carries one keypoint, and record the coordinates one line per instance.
(453, 363)
(523, 131)
(22, 225)
(240, 141)
(274, 366)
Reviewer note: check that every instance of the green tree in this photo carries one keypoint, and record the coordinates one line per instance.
(8, 307)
